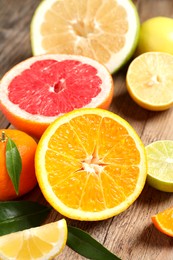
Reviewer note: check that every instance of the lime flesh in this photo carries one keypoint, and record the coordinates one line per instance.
(160, 165)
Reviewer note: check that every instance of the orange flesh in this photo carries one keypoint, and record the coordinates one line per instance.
(96, 159)
(164, 221)
(82, 28)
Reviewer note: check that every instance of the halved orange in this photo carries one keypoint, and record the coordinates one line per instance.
(163, 221)
(90, 164)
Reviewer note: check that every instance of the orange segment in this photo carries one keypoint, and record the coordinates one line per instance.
(163, 221)
(87, 127)
(90, 164)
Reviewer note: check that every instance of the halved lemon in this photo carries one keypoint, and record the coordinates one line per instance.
(150, 82)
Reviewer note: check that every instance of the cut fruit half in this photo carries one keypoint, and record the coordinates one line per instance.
(38, 90)
(163, 221)
(90, 164)
(160, 165)
(150, 82)
(106, 31)
(39, 243)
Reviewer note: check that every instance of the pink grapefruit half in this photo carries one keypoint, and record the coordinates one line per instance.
(38, 90)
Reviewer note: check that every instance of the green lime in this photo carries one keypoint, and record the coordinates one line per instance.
(160, 165)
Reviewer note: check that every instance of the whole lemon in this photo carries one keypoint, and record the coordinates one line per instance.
(156, 34)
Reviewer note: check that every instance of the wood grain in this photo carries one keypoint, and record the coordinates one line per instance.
(129, 235)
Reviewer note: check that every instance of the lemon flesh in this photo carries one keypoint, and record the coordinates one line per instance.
(160, 165)
(38, 243)
(149, 80)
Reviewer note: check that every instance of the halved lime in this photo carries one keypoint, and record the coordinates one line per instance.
(160, 165)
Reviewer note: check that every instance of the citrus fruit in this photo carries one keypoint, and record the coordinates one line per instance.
(163, 221)
(156, 35)
(26, 146)
(38, 90)
(149, 80)
(160, 165)
(90, 164)
(44, 242)
(106, 31)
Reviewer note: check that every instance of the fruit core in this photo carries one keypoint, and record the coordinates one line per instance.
(50, 87)
(82, 28)
(93, 164)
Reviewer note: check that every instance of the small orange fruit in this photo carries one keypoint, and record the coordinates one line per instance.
(163, 221)
(38, 90)
(26, 146)
(90, 164)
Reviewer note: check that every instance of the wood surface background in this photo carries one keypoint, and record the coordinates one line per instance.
(130, 235)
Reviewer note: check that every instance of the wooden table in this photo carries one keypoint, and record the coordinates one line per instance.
(131, 234)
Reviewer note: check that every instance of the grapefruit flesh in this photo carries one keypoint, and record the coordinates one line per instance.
(38, 90)
(55, 87)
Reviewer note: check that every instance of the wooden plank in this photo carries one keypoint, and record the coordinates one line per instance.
(130, 235)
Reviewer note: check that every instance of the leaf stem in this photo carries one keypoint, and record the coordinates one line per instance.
(3, 137)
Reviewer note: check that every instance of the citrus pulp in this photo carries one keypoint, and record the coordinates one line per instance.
(163, 221)
(150, 82)
(106, 31)
(38, 90)
(160, 165)
(39, 243)
(90, 164)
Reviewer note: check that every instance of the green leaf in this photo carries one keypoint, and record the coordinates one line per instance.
(13, 163)
(20, 215)
(85, 245)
